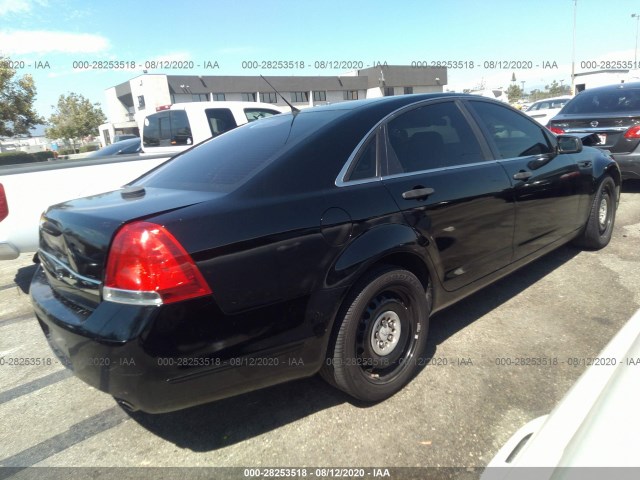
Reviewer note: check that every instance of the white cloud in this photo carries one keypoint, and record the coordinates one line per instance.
(22, 42)
(14, 6)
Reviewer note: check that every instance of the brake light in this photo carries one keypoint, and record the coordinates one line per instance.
(4, 204)
(163, 107)
(633, 132)
(556, 130)
(148, 266)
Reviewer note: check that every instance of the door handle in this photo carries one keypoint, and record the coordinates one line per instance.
(522, 175)
(418, 193)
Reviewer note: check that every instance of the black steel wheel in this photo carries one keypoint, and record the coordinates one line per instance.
(382, 333)
(599, 227)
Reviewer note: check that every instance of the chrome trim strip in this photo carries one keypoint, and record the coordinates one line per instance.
(592, 129)
(451, 167)
(71, 272)
(131, 297)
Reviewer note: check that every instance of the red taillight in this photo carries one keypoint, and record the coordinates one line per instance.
(4, 205)
(163, 107)
(556, 130)
(633, 132)
(144, 257)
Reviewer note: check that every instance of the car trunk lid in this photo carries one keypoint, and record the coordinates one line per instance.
(610, 129)
(75, 236)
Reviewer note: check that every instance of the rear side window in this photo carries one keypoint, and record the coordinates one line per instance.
(220, 120)
(513, 135)
(618, 100)
(254, 114)
(167, 128)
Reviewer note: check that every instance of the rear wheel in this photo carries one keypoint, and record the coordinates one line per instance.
(599, 227)
(382, 331)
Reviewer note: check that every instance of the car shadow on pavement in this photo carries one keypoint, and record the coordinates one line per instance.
(631, 186)
(23, 277)
(226, 422)
(448, 322)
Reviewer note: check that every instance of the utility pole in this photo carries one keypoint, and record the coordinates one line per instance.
(573, 53)
(635, 56)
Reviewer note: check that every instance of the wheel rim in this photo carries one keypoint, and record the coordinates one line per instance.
(604, 211)
(390, 312)
(385, 333)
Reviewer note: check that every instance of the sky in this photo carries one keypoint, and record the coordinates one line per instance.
(53, 40)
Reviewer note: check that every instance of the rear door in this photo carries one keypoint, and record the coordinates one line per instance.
(546, 187)
(440, 175)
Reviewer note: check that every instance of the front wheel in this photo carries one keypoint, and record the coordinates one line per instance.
(382, 333)
(599, 227)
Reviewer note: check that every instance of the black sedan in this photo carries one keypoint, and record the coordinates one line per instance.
(319, 241)
(613, 114)
(129, 146)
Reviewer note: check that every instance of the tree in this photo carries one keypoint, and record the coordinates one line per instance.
(74, 117)
(556, 90)
(514, 93)
(17, 115)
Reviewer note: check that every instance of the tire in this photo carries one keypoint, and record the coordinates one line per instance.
(597, 232)
(382, 331)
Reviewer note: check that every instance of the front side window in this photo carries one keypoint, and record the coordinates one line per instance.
(433, 136)
(514, 135)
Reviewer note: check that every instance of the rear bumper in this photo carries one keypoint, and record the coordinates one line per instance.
(8, 251)
(161, 359)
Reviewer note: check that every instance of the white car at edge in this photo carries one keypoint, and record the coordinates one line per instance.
(595, 425)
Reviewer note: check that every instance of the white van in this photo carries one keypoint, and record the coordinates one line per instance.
(174, 128)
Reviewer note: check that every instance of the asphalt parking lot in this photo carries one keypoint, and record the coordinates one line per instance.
(457, 412)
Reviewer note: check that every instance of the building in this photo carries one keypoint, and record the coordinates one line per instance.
(600, 78)
(128, 103)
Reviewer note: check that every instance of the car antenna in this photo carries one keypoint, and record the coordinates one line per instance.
(294, 110)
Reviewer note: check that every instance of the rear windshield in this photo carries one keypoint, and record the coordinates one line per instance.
(167, 128)
(612, 101)
(225, 162)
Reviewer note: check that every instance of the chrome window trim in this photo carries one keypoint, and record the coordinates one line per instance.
(593, 129)
(340, 179)
(442, 169)
(71, 272)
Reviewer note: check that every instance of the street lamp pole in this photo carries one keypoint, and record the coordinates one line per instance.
(635, 55)
(573, 52)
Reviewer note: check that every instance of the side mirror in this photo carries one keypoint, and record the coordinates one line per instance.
(569, 144)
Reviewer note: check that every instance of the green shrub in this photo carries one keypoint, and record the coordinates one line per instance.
(89, 148)
(19, 158)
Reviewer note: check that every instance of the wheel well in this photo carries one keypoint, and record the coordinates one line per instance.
(409, 262)
(405, 260)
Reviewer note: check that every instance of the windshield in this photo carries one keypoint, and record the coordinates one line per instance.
(227, 161)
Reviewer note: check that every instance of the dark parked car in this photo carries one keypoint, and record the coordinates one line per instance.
(315, 241)
(613, 114)
(130, 146)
